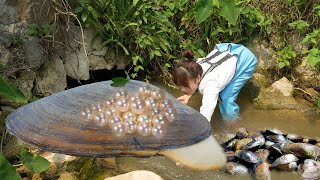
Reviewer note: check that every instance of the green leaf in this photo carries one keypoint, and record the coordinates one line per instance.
(78, 9)
(183, 2)
(157, 53)
(82, 2)
(84, 16)
(34, 163)
(281, 64)
(135, 2)
(11, 92)
(203, 10)
(313, 60)
(229, 10)
(7, 171)
(119, 81)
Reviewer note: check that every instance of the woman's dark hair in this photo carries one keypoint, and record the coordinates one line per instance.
(186, 69)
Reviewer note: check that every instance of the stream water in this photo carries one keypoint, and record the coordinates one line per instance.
(252, 118)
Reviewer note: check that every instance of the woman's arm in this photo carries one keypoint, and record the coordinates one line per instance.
(209, 99)
(184, 99)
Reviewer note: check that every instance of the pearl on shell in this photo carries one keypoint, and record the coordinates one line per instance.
(129, 115)
(97, 107)
(110, 102)
(111, 111)
(171, 114)
(118, 129)
(159, 130)
(138, 106)
(100, 119)
(130, 126)
(87, 113)
(121, 93)
(144, 90)
(160, 119)
(135, 96)
(154, 111)
(151, 102)
(144, 118)
(113, 120)
(122, 104)
(158, 94)
(144, 129)
(164, 104)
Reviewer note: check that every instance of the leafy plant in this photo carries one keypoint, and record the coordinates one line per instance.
(40, 30)
(7, 171)
(33, 162)
(11, 92)
(299, 25)
(119, 81)
(285, 55)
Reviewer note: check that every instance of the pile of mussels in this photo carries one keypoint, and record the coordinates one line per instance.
(257, 153)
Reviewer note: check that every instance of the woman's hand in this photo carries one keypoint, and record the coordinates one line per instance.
(184, 99)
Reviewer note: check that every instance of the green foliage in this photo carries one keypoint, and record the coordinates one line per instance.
(203, 10)
(7, 171)
(229, 10)
(285, 55)
(318, 103)
(11, 92)
(119, 81)
(16, 39)
(299, 25)
(313, 55)
(39, 30)
(33, 162)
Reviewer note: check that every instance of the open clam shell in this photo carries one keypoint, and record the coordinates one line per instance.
(54, 124)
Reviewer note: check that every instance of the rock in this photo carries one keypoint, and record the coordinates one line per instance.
(137, 175)
(116, 58)
(25, 82)
(5, 37)
(34, 53)
(5, 56)
(284, 86)
(12, 147)
(77, 65)
(307, 74)
(7, 12)
(295, 40)
(262, 80)
(51, 79)
(68, 176)
(57, 159)
(265, 54)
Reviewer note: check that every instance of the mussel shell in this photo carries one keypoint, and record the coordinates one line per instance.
(303, 150)
(278, 138)
(242, 133)
(54, 124)
(310, 169)
(247, 157)
(257, 141)
(263, 154)
(294, 137)
(225, 137)
(236, 169)
(262, 172)
(267, 132)
(285, 162)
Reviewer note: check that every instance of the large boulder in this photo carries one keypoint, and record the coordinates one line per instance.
(5, 57)
(34, 53)
(51, 79)
(308, 75)
(7, 12)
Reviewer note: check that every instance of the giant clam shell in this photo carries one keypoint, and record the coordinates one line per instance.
(54, 124)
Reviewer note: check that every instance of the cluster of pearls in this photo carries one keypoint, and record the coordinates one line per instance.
(145, 112)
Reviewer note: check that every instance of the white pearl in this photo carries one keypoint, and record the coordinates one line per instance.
(87, 113)
(170, 113)
(118, 129)
(144, 118)
(159, 130)
(166, 103)
(111, 111)
(144, 128)
(144, 90)
(122, 104)
(155, 111)
(98, 107)
(100, 119)
(151, 102)
(129, 115)
(113, 120)
(158, 94)
(110, 102)
(160, 119)
(135, 96)
(138, 106)
(130, 126)
(121, 93)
